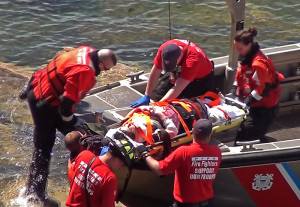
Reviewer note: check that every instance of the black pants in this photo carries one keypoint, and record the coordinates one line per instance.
(46, 121)
(257, 123)
(196, 88)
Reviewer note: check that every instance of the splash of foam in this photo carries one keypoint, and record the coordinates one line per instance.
(25, 201)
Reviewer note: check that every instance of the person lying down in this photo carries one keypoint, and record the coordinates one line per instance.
(162, 121)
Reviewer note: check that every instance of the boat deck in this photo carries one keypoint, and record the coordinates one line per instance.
(285, 127)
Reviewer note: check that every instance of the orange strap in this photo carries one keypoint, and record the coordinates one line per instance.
(214, 96)
(186, 129)
(193, 106)
(165, 103)
(196, 109)
(147, 137)
(129, 115)
(186, 107)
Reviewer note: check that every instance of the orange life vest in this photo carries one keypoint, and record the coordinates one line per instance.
(49, 83)
(248, 81)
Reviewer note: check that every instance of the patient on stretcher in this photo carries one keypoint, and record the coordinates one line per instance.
(161, 121)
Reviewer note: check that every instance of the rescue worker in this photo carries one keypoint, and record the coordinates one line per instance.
(95, 184)
(195, 167)
(257, 83)
(52, 93)
(195, 78)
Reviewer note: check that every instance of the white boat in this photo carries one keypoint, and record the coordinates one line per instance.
(255, 174)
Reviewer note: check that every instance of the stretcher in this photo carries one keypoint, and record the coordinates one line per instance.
(230, 115)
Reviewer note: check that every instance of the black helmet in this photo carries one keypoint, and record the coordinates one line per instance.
(122, 149)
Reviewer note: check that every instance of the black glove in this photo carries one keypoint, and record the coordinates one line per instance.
(142, 151)
(68, 126)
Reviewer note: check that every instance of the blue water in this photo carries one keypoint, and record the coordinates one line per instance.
(32, 31)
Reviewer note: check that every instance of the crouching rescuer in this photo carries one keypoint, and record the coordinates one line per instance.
(52, 93)
(195, 167)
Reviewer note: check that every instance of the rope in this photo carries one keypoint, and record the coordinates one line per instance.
(170, 20)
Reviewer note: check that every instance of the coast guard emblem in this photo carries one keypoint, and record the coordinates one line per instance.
(262, 182)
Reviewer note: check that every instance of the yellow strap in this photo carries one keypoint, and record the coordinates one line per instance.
(147, 137)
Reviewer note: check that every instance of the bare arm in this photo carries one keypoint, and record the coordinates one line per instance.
(176, 90)
(153, 79)
(153, 164)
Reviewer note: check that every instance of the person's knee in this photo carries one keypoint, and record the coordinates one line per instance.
(44, 139)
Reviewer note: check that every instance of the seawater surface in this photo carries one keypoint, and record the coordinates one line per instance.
(32, 31)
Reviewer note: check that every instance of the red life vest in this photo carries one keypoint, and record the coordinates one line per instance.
(49, 83)
(251, 80)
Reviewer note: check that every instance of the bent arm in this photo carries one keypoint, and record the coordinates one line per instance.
(153, 165)
(77, 85)
(261, 77)
(153, 79)
(177, 89)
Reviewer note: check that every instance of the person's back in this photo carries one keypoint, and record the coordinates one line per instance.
(101, 185)
(196, 169)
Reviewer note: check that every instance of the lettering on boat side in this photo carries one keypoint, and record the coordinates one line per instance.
(262, 182)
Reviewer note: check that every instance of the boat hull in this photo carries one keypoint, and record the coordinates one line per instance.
(260, 185)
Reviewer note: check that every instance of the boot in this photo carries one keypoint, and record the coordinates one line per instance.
(50, 202)
(39, 171)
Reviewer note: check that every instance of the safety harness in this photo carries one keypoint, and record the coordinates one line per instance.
(213, 97)
(139, 113)
(187, 111)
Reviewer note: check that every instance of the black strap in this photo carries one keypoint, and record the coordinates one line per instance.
(59, 79)
(274, 85)
(85, 180)
(121, 193)
(48, 76)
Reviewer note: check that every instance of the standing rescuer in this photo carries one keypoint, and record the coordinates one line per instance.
(195, 78)
(51, 94)
(195, 167)
(256, 82)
